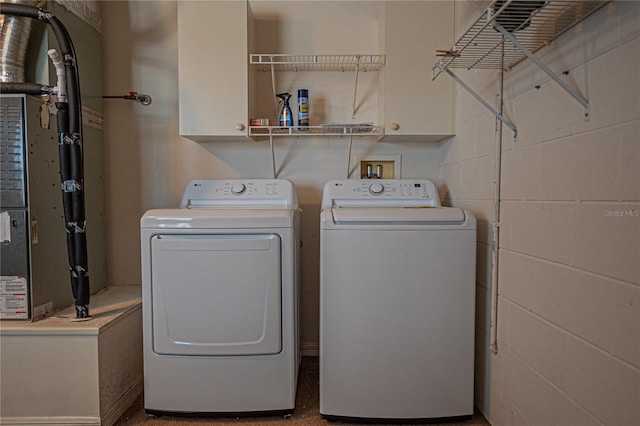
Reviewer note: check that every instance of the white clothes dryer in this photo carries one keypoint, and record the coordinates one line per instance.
(397, 303)
(220, 300)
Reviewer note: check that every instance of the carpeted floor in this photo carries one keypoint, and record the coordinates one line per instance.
(307, 411)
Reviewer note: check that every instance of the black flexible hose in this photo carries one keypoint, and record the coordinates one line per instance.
(27, 88)
(73, 95)
(62, 36)
(76, 224)
(65, 174)
(69, 122)
(21, 10)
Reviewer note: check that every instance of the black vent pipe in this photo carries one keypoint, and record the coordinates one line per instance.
(69, 122)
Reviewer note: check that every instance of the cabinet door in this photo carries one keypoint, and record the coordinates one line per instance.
(422, 109)
(213, 69)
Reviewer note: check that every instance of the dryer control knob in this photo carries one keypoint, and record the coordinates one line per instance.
(376, 188)
(238, 189)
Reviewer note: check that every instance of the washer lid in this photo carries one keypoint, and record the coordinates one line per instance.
(409, 215)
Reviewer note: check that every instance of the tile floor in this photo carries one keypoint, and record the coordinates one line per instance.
(307, 411)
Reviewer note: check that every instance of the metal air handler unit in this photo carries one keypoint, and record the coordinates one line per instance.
(34, 267)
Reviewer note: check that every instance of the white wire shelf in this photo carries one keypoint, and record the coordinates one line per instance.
(286, 62)
(507, 32)
(534, 24)
(323, 130)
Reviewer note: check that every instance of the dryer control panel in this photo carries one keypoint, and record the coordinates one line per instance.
(275, 193)
(380, 193)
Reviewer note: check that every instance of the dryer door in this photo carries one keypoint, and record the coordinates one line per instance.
(216, 294)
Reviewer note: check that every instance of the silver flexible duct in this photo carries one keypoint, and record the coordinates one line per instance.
(13, 44)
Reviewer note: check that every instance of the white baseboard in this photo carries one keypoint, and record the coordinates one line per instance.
(50, 421)
(125, 401)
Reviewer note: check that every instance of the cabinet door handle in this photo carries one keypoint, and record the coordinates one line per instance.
(394, 126)
(239, 126)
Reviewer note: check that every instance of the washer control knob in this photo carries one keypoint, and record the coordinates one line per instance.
(376, 188)
(238, 189)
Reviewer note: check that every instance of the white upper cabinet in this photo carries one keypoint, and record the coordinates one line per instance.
(235, 56)
(414, 107)
(213, 69)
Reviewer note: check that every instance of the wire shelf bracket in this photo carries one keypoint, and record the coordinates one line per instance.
(537, 23)
(479, 98)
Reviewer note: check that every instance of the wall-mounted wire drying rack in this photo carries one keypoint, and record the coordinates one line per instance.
(508, 32)
(286, 62)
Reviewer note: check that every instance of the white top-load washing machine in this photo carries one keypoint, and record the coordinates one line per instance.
(397, 302)
(220, 299)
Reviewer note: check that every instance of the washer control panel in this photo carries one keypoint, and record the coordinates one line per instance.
(380, 192)
(234, 192)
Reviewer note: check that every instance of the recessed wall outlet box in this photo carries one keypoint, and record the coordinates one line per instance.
(377, 166)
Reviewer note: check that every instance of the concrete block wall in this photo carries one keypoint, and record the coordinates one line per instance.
(87, 10)
(569, 258)
(467, 180)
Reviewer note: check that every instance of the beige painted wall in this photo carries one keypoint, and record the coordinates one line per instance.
(148, 164)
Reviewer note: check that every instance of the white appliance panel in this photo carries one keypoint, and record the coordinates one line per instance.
(220, 219)
(397, 315)
(220, 299)
(397, 302)
(380, 193)
(239, 193)
(233, 280)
